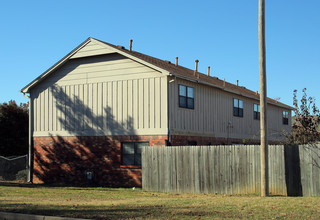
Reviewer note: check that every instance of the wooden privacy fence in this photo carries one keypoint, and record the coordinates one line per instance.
(235, 169)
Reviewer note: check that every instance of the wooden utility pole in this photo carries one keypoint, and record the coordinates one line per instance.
(263, 101)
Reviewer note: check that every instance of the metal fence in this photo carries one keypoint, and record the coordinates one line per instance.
(235, 169)
(13, 168)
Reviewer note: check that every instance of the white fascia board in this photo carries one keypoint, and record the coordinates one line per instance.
(56, 65)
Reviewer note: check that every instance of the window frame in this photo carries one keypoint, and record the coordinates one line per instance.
(285, 117)
(236, 109)
(186, 97)
(135, 153)
(256, 114)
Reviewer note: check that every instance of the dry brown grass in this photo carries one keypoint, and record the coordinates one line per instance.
(110, 203)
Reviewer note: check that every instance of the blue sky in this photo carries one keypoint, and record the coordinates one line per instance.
(222, 34)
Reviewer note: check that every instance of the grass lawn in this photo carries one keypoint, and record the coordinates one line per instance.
(114, 203)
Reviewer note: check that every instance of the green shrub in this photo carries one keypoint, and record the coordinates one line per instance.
(22, 175)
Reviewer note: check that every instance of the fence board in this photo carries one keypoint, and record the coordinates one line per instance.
(293, 170)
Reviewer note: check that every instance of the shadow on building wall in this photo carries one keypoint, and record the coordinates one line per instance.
(84, 159)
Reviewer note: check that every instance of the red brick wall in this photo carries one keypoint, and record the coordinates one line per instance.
(178, 140)
(66, 159)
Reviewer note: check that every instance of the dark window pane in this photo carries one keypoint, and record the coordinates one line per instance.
(235, 111)
(182, 102)
(128, 159)
(190, 103)
(182, 90)
(128, 148)
(240, 112)
(285, 117)
(190, 92)
(137, 158)
(256, 111)
(186, 97)
(131, 153)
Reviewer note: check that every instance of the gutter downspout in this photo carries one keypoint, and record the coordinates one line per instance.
(168, 106)
(29, 165)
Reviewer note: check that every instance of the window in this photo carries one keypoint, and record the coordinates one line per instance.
(256, 111)
(131, 153)
(285, 117)
(238, 107)
(186, 97)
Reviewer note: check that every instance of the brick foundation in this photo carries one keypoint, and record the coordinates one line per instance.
(67, 159)
(179, 140)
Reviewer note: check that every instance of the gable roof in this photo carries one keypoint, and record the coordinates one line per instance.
(162, 66)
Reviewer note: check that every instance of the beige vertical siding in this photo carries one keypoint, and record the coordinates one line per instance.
(213, 111)
(91, 49)
(103, 95)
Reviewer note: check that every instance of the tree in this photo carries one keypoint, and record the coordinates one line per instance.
(13, 129)
(306, 122)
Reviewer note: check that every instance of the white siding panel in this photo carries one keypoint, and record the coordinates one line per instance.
(104, 105)
(51, 109)
(110, 104)
(86, 106)
(163, 103)
(140, 104)
(91, 49)
(99, 69)
(119, 104)
(115, 103)
(54, 110)
(213, 112)
(41, 111)
(110, 108)
(125, 104)
(157, 109)
(99, 106)
(152, 102)
(146, 105)
(130, 105)
(103, 95)
(135, 93)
